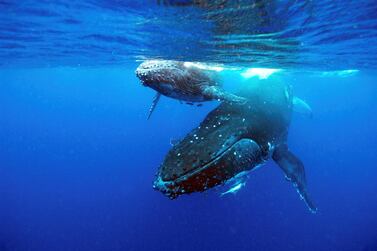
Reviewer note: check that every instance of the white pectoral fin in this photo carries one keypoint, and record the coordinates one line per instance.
(154, 104)
(301, 107)
(219, 94)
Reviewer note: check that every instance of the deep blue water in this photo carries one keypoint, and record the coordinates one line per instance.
(78, 157)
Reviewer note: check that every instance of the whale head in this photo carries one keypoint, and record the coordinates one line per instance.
(155, 72)
(217, 150)
(173, 78)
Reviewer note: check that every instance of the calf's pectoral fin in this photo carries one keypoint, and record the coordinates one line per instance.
(294, 172)
(154, 104)
(214, 92)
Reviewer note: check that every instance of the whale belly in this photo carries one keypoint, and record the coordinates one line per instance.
(176, 93)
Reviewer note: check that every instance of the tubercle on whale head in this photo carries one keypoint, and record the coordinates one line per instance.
(166, 187)
(152, 72)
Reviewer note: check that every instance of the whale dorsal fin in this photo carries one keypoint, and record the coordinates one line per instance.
(301, 107)
(214, 92)
(154, 104)
(294, 172)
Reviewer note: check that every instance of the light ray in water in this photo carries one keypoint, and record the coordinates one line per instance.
(341, 73)
(262, 73)
(204, 66)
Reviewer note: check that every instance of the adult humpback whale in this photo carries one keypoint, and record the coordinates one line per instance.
(235, 138)
(184, 81)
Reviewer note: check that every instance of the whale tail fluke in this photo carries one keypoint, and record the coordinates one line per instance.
(294, 172)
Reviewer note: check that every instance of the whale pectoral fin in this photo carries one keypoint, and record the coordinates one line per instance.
(214, 92)
(154, 104)
(300, 106)
(294, 172)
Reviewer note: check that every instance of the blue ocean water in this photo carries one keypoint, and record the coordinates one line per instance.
(78, 157)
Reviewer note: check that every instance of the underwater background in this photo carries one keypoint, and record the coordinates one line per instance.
(78, 157)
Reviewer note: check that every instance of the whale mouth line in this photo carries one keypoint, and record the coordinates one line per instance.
(206, 165)
(175, 187)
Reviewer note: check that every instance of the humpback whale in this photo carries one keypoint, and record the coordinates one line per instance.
(235, 138)
(184, 81)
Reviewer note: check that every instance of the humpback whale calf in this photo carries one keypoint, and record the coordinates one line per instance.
(235, 138)
(184, 81)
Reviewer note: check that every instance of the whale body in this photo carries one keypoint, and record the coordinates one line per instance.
(235, 138)
(184, 81)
